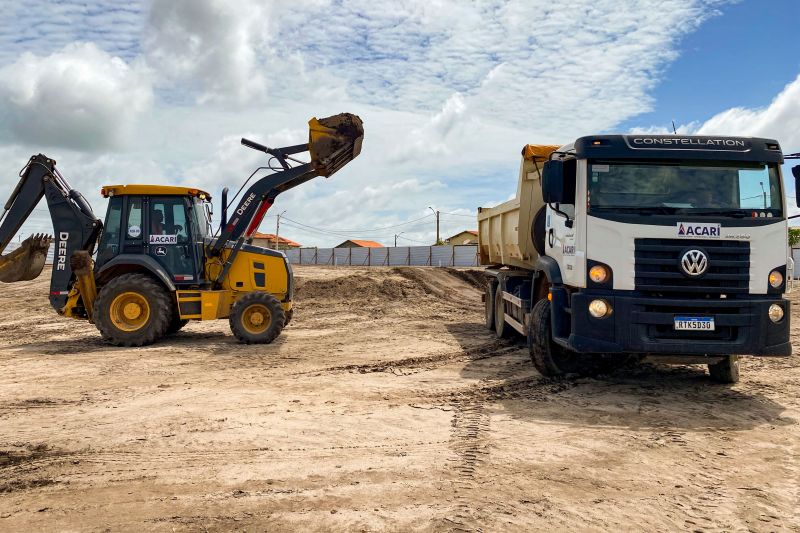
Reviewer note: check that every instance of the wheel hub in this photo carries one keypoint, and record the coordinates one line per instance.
(132, 311)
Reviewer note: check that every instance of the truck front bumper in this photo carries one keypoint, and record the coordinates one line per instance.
(645, 325)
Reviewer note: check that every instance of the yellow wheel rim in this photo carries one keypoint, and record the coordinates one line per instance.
(130, 311)
(256, 319)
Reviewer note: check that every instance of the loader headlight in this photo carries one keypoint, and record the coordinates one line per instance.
(775, 279)
(775, 312)
(599, 308)
(598, 274)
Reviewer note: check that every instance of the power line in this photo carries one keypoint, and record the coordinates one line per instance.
(457, 214)
(343, 231)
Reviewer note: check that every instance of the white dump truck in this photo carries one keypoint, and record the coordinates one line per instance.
(625, 246)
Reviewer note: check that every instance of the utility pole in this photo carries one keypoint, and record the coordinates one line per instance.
(278, 228)
(435, 212)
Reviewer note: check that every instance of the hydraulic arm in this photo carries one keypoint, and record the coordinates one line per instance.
(75, 226)
(333, 142)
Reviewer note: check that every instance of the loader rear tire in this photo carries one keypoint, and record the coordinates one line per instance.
(133, 310)
(257, 318)
(176, 324)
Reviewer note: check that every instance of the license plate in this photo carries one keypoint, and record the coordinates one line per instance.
(694, 323)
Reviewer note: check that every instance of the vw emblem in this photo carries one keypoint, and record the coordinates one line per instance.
(694, 262)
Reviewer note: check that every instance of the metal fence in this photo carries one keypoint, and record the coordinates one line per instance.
(462, 256)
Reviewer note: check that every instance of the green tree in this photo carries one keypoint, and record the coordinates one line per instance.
(794, 237)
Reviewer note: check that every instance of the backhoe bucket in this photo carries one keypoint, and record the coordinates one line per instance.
(26, 262)
(334, 141)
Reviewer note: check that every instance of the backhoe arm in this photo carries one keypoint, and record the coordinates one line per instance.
(75, 226)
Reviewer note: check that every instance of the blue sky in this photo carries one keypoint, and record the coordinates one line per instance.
(160, 91)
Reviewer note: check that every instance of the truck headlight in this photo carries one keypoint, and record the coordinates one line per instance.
(775, 279)
(599, 308)
(775, 312)
(598, 274)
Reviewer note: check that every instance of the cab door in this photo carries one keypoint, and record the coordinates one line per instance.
(169, 237)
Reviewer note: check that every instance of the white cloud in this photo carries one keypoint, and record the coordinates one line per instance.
(779, 120)
(79, 97)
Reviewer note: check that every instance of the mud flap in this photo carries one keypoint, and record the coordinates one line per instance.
(26, 262)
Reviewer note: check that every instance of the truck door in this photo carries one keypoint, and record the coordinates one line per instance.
(169, 237)
(560, 239)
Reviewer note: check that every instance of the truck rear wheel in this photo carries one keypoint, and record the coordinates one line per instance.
(257, 318)
(491, 287)
(549, 358)
(133, 310)
(726, 371)
(501, 327)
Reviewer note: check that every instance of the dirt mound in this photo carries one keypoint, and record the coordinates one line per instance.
(475, 278)
(357, 287)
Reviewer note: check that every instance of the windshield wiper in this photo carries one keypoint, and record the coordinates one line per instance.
(643, 210)
(736, 213)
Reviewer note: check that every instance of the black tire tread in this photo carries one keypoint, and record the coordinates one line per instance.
(161, 310)
(276, 313)
(491, 287)
(726, 371)
(501, 328)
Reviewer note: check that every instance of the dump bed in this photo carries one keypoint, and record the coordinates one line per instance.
(505, 236)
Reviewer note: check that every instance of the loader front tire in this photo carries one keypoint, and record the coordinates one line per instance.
(133, 310)
(257, 318)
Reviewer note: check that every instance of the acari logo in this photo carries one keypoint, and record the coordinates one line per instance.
(699, 229)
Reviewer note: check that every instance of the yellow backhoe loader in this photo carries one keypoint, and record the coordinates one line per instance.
(155, 263)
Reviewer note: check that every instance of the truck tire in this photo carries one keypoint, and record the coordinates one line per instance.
(133, 310)
(726, 371)
(257, 318)
(501, 327)
(491, 287)
(549, 358)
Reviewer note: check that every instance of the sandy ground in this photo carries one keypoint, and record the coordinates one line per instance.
(385, 405)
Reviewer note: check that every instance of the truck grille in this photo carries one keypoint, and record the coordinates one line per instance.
(658, 267)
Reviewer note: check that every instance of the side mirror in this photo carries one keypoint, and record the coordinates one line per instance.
(558, 181)
(796, 173)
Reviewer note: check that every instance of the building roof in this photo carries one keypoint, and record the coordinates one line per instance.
(281, 240)
(364, 244)
(470, 231)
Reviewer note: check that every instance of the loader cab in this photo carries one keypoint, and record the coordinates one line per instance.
(166, 224)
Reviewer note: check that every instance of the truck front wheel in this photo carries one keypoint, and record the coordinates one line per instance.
(726, 371)
(549, 358)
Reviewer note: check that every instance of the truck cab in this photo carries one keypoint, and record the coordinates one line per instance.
(658, 245)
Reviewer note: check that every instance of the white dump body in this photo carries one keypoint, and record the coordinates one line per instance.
(505, 236)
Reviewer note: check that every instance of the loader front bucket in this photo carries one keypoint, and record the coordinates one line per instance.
(26, 262)
(334, 141)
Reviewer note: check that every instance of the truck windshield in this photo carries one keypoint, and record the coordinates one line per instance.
(740, 189)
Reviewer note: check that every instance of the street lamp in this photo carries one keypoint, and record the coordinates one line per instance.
(435, 212)
(396, 235)
(278, 228)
